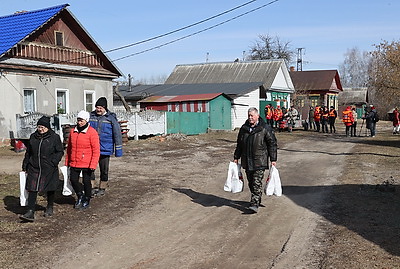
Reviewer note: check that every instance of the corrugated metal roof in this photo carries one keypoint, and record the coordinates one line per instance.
(187, 89)
(353, 96)
(181, 98)
(15, 28)
(316, 80)
(227, 72)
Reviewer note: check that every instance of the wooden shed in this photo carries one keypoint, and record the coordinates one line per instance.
(192, 114)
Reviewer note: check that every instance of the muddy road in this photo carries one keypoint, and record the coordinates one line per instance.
(166, 208)
(190, 222)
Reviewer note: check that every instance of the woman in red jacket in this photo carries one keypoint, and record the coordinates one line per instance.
(83, 153)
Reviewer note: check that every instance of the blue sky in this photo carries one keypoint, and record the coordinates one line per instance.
(325, 29)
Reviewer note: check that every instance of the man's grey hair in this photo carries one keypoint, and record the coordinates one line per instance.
(251, 109)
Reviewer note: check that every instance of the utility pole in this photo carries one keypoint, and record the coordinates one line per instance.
(208, 54)
(299, 59)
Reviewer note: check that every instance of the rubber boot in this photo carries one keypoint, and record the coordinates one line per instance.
(85, 202)
(95, 189)
(79, 201)
(102, 188)
(49, 211)
(28, 216)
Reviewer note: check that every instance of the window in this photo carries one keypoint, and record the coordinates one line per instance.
(62, 101)
(89, 100)
(314, 102)
(29, 100)
(59, 38)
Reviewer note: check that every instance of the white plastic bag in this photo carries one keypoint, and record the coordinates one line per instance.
(23, 193)
(234, 180)
(273, 185)
(67, 187)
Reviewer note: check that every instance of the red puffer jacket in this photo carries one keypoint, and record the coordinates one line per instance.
(83, 149)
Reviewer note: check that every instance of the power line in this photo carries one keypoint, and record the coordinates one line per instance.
(177, 30)
(182, 28)
(195, 33)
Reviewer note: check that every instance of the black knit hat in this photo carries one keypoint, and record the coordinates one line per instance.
(44, 121)
(102, 101)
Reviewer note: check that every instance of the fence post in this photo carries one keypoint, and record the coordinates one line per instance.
(136, 127)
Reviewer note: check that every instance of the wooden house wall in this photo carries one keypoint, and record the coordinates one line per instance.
(42, 46)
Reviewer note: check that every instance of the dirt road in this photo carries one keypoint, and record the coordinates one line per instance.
(190, 222)
(166, 208)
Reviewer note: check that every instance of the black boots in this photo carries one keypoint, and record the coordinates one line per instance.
(85, 202)
(28, 216)
(82, 202)
(49, 211)
(78, 203)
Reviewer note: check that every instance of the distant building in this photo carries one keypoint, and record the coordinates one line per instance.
(317, 87)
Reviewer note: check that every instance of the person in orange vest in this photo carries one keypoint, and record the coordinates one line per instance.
(317, 117)
(324, 119)
(331, 119)
(347, 119)
(268, 114)
(277, 116)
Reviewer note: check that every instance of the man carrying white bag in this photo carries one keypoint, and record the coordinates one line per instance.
(256, 147)
(273, 185)
(234, 180)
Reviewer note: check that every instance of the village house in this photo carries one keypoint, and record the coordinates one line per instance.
(49, 64)
(316, 87)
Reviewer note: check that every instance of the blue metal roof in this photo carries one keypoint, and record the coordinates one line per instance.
(15, 28)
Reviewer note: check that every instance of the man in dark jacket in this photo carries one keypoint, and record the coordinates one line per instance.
(256, 146)
(106, 124)
(371, 120)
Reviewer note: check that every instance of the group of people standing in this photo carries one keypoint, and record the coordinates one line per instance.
(320, 117)
(95, 138)
(277, 117)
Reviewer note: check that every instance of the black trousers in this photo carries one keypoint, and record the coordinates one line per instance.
(87, 176)
(104, 165)
(32, 197)
(318, 124)
(332, 124)
(353, 129)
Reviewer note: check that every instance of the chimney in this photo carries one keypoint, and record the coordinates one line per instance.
(292, 69)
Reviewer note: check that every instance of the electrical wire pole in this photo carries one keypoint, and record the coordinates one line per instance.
(299, 59)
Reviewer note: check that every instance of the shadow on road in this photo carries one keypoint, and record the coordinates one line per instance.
(371, 211)
(208, 200)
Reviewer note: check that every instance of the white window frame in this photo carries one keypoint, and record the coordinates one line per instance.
(34, 100)
(93, 93)
(66, 91)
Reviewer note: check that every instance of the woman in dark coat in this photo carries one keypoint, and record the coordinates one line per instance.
(42, 156)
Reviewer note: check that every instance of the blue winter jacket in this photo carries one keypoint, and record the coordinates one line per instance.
(109, 131)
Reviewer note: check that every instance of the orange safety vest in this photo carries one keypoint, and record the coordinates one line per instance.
(332, 113)
(317, 114)
(278, 114)
(268, 114)
(347, 117)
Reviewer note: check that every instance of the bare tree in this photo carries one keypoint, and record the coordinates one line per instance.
(385, 75)
(354, 71)
(267, 47)
(121, 97)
